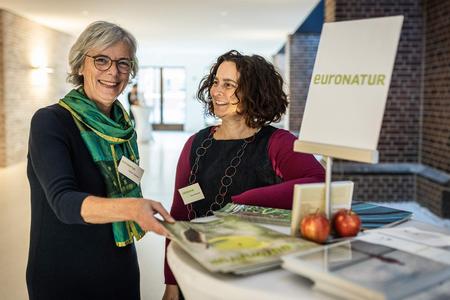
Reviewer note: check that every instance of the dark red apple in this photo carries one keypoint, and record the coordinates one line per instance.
(346, 223)
(315, 227)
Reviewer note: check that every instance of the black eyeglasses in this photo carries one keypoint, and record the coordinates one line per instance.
(103, 63)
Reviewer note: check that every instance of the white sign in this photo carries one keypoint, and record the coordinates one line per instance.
(191, 193)
(131, 170)
(350, 83)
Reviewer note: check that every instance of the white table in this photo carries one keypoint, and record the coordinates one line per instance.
(197, 283)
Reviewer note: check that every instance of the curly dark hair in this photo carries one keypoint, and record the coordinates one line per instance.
(260, 89)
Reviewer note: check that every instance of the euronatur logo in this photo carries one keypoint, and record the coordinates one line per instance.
(349, 79)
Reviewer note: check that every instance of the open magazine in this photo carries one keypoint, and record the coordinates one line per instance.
(258, 214)
(372, 266)
(232, 245)
(372, 215)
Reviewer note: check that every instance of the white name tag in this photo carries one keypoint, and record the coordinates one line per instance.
(191, 193)
(131, 170)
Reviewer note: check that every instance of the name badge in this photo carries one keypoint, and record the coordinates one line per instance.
(191, 193)
(130, 170)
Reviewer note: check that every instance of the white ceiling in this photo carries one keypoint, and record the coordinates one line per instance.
(177, 27)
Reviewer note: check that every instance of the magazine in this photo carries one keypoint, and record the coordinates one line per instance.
(375, 216)
(258, 214)
(372, 215)
(232, 245)
(372, 267)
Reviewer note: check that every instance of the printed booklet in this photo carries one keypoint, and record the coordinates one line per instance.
(372, 266)
(232, 245)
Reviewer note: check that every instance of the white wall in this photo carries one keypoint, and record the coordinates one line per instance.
(197, 65)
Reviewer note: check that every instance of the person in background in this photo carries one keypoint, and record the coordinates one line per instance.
(133, 95)
(85, 214)
(133, 99)
(243, 160)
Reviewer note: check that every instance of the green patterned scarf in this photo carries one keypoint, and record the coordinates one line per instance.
(108, 139)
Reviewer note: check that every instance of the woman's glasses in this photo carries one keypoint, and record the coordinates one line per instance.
(103, 63)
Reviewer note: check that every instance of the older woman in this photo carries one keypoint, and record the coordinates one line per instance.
(85, 211)
(244, 160)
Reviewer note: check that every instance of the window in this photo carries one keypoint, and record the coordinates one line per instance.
(164, 89)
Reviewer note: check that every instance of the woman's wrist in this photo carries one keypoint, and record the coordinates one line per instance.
(98, 210)
(137, 208)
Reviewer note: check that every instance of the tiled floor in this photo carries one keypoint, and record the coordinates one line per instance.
(159, 160)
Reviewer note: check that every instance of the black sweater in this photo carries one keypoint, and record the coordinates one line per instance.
(69, 259)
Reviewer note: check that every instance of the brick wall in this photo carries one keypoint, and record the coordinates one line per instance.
(435, 138)
(434, 196)
(25, 44)
(416, 128)
(302, 54)
(399, 138)
(381, 187)
(436, 105)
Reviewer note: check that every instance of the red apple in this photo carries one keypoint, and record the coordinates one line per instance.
(346, 223)
(315, 227)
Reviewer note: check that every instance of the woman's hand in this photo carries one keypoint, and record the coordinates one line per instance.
(145, 216)
(171, 292)
(98, 210)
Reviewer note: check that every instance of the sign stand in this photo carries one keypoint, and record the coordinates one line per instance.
(348, 91)
(329, 167)
(355, 154)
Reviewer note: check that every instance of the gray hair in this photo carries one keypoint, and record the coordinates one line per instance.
(99, 35)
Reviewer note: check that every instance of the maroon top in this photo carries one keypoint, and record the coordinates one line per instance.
(292, 167)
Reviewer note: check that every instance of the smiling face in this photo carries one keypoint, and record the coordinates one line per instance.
(223, 90)
(103, 87)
